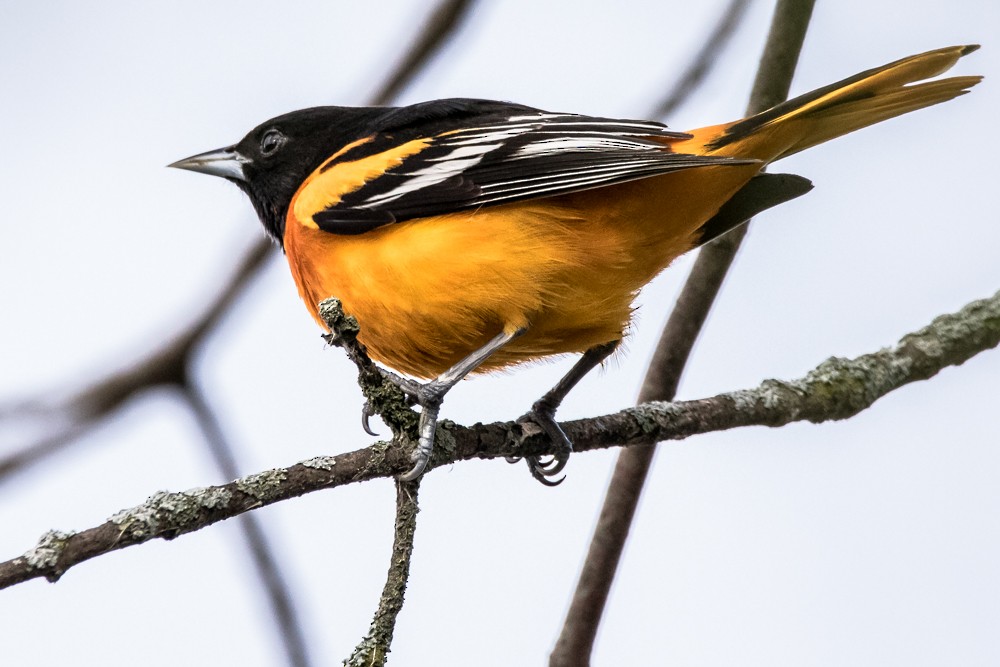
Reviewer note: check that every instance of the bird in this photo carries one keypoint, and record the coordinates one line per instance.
(469, 235)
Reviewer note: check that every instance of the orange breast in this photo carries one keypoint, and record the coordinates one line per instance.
(428, 292)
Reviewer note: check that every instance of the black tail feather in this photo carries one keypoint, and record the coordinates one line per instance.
(761, 193)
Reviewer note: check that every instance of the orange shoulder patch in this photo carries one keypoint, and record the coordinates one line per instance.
(326, 186)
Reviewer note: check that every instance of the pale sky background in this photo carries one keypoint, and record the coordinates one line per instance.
(869, 542)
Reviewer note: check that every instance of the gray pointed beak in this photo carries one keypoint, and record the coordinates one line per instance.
(224, 162)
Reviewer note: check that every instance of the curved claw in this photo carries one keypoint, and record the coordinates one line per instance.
(416, 471)
(544, 475)
(366, 412)
(546, 462)
(556, 465)
(544, 468)
(422, 454)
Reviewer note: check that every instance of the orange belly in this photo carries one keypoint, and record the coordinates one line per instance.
(428, 292)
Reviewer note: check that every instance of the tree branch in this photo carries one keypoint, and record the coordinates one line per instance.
(836, 389)
(374, 648)
(576, 640)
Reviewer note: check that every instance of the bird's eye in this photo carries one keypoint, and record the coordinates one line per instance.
(271, 141)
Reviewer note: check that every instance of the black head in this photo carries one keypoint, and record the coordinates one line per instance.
(270, 162)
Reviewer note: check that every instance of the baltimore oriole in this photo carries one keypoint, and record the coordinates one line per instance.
(470, 235)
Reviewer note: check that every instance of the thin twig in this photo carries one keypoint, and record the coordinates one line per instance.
(701, 65)
(383, 398)
(387, 400)
(576, 640)
(836, 389)
(374, 648)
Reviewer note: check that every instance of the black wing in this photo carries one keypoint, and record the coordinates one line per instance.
(497, 158)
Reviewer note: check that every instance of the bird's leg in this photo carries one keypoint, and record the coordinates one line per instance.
(429, 395)
(543, 413)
